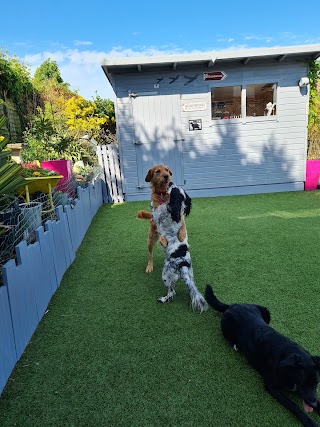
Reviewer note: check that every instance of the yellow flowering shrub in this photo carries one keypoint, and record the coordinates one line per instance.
(81, 117)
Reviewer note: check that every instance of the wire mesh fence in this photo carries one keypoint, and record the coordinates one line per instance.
(20, 217)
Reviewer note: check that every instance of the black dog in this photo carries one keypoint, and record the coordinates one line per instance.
(281, 362)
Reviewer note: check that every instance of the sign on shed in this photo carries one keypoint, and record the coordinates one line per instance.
(215, 75)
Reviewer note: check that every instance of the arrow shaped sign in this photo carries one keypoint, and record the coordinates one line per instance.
(215, 75)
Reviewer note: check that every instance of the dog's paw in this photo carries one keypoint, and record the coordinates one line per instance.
(149, 268)
(167, 298)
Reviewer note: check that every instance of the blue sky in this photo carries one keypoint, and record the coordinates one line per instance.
(79, 34)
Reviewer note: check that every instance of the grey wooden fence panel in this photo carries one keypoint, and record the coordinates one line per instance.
(70, 253)
(52, 251)
(79, 208)
(19, 281)
(92, 197)
(86, 208)
(70, 212)
(78, 218)
(8, 355)
(43, 237)
(31, 255)
(29, 284)
(96, 196)
(60, 258)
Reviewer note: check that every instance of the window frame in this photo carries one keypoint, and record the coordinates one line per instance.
(244, 118)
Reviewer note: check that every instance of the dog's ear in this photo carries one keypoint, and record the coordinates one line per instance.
(316, 360)
(170, 171)
(149, 175)
(265, 314)
(292, 361)
(188, 204)
(174, 205)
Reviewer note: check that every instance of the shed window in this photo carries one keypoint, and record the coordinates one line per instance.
(226, 102)
(261, 100)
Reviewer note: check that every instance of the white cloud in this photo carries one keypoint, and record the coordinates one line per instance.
(82, 43)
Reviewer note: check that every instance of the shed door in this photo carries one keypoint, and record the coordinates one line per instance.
(158, 137)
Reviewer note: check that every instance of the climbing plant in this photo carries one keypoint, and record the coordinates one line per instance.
(314, 111)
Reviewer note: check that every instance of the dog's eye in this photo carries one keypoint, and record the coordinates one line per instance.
(158, 171)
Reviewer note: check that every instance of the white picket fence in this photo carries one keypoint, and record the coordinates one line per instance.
(109, 160)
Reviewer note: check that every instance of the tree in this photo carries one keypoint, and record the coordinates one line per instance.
(16, 85)
(105, 108)
(48, 70)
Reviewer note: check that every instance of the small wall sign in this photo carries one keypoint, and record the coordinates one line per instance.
(215, 75)
(195, 106)
(195, 124)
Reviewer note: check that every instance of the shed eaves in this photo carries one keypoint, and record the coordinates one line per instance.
(207, 59)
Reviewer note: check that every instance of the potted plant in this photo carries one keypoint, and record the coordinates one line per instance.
(60, 198)
(37, 179)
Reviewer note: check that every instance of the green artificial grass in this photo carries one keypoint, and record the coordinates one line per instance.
(107, 354)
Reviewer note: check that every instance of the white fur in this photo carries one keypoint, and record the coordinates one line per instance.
(172, 269)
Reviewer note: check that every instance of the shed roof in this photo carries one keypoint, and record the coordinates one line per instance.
(207, 59)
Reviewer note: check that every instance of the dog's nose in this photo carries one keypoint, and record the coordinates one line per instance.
(166, 176)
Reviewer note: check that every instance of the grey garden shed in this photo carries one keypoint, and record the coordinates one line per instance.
(224, 122)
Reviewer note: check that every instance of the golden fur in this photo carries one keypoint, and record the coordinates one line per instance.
(159, 177)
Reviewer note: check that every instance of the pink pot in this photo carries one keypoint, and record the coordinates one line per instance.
(312, 175)
(63, 167)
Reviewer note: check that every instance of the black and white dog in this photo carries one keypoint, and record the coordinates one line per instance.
(168, 218)
(282, 363)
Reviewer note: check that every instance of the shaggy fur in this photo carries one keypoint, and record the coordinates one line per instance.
(282, 363)
(168, 218)
(159, 177)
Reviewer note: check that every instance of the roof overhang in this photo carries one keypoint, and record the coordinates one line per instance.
(207, 59)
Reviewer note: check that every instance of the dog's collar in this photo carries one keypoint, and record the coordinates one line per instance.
(161, 196)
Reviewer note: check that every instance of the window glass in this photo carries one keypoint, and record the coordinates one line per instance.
(226, 102)
(261, 100)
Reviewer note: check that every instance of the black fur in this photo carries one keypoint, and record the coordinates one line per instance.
(281, 362)
(188, 204)
(180, 252)
(174, 204)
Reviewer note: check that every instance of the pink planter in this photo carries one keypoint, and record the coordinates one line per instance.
(312, 175)
(63, 167)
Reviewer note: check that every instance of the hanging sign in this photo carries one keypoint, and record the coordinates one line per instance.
(195, 106)
(215, 75)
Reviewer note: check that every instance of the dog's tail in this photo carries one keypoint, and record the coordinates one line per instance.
(144, 215)
(213, 300)
(197, 300)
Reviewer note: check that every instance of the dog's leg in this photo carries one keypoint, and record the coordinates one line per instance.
(169, 277)
(197, 300)
(152, 238)
(182, 233)
(292, 407)
(163, 241)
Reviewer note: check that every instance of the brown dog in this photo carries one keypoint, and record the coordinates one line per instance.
(159, 177)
